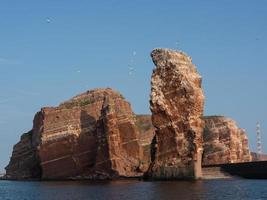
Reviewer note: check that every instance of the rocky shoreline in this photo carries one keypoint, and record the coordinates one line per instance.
(97, 136)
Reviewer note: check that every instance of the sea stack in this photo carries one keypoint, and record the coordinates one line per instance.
(177, 103)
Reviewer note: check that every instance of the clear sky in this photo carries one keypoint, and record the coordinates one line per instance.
(52, 50)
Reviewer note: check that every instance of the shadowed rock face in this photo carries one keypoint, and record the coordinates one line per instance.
(147, 132)
(258, 157)
(24, 163)
(176, 103)
(93, 135)
(224, 142)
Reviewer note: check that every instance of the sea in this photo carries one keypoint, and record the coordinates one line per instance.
(233, 189)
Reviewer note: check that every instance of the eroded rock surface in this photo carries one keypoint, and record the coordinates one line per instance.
(24, 163)
(147, 132)
(177, 103)
(93, 135)
(224, 142)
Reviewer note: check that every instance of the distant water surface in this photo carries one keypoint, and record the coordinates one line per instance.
(232, 189)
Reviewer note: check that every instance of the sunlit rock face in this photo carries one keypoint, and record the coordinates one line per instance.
(224, 142)
(176, 103)
(93, 135)
(121, 150)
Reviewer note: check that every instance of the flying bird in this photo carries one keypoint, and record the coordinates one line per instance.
(131, 70)
(48, 20)
(177, 44)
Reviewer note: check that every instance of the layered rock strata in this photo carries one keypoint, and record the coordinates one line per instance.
(224, 142)
(93, 135)
(24, 163)
(96, 135)
(176, 103)
(147, 132)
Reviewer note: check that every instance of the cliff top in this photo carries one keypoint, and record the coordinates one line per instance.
(213, 117)
(90, 96)
(160, 56)
(219, 118)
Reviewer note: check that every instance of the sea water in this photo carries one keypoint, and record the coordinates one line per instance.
(232, 189)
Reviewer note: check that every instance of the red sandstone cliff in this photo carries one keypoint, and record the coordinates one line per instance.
(224, 142)
(177, 103)
(24, 163)
(96, 135)
(93, 135)
(147, 132)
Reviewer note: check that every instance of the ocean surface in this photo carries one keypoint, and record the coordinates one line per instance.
(233, 189)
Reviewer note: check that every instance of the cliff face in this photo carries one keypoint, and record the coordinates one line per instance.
(224, 142)
(120, 147)
(24, 163)
(96, 135)
(176, 103)
(93, 136)
(147, 132)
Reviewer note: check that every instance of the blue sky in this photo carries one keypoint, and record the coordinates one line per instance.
(52, 50)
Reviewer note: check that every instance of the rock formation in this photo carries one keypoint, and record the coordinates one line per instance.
(176, 103)
(96, 135)
(24, 163)
(258, 157)
(147, 132)
(93, 135)
(224, 142)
